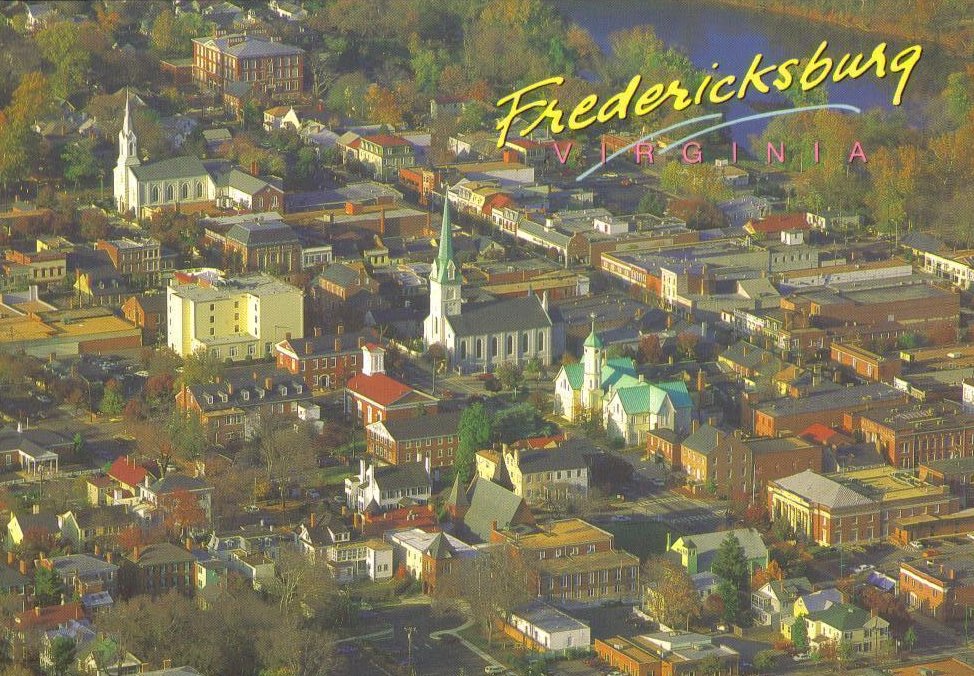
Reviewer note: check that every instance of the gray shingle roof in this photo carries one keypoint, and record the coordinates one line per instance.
(704, 440)
(178, 482)
(407, 475)
(421, 427)
(822, 490)
(262, 232)
(488, 503)
(707, 544)
(172, 168)
(514, 314)
(81, 565)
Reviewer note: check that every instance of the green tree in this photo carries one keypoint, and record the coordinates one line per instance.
(112, 402)
(799, 635)
(47, 586)
(80, 162)
(474, 432)
(652, 203)
(909, 639)
(62, 652)
(201, 368)
(511, 375)
(730, 562)
(710, 665)
(731, 600)
(766, 660)
(64, 46)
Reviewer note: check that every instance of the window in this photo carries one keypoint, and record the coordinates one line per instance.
(540, 341)
(183, 191)
(479, 348)
(154, 193)
(169, 193)
(510, 345)
(199, 189)
(493, 346)
(524, 343)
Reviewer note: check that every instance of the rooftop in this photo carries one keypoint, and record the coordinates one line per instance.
(559, 533)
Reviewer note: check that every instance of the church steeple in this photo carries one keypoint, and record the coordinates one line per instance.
(444, 258)
(128, 146)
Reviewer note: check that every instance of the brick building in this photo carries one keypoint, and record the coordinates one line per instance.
(231, 409)
(573, 560)
(942, 588)
(372, 396)
(155, 570)
(865, 364)
(956, 473)
(39, 267)
(828, 405)
(270, 67)
(324, 361)
(263, 246)
(148, 312)
(142, 260)
(409, 439)
(741, 468)
(908, 436)
(676, 653)
(854, 506)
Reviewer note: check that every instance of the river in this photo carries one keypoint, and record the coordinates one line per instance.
(710, 32)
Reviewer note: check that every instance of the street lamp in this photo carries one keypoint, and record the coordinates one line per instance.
(409, 638)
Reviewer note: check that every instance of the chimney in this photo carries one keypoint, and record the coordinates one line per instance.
(340, 329)
(109, 556)
(287, 336)
(37, 611)
(23, 567)
(97, 550)
(317, 332)
(229, 388)
(253, 168)
(189, 544)
(308, 347)
(493, 525)
(268, 383)
(36, 509)
(338, 344)
(361, 341)
(694, 425)
(701, 380)
(361, 469)
(313, 519)
(136, 550)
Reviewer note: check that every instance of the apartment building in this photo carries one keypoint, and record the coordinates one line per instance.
(271, 67)
(909, 436)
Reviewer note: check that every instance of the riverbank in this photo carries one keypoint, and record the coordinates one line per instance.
(952, 42)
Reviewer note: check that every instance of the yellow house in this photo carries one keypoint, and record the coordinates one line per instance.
(845, 624)
(810, 603)
(31, 524)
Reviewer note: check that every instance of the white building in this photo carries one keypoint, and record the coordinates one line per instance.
(235, 318)
(410, 545)
(549, 627)
(388, 487)
(487, 334)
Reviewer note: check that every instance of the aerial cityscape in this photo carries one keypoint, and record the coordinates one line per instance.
(455, 337)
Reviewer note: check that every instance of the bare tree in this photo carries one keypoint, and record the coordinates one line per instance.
(668, 592)
(286, 450)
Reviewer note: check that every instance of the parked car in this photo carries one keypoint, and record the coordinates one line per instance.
(863, 567)
(494, 669)
(916, 544)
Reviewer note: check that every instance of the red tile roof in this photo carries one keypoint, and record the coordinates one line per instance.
(540, 442)
(818, 433)
(379, 388)
(387, 140)
(125, 470)
(49, 617)
(778, 223)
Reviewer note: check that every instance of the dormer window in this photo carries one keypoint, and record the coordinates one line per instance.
(261, 392)
(283, 390)
(298, 389)
(245, 395)
(209, 398)
(223, 397)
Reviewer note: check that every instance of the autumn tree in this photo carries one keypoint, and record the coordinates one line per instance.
(511, 375)
(64, 45)
(182, 512)
(650, 351)
(762, 576)
(201, 368)
(668, 592)
(286, 452)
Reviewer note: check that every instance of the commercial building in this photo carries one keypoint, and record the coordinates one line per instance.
(942, 587)
(909, 436)
(324, 361)
(544, 628)
(271, 67)
(676, 653)
(234, 318)
(372, 396)
(857, 506)
(827, 405)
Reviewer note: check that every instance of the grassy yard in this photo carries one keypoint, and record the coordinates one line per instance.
(334, 476)
(642, 538)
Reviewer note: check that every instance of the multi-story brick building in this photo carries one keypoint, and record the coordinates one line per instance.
(942, 588)
(38, 267)
(741, 468)
(155, 570)
(324, 361)
(672, 653)
(232, 408)
(149, 313)
(572, 560)
(865, 364)
(410, 439)
(373, 396)
(141, 260)
(857, 506)
(908, 436)
(830, 406)
(270, 67)
(957, 473)
(386, 154)
(263, 246)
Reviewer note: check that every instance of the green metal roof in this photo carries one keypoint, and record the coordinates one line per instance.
(576, 375)
(841, 616)
(593, 340)
(445, 256)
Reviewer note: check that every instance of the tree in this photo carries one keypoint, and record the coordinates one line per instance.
(766, 660)
(47, 586)
(286, 451)
(669, 594)
(303, 585)
(511, 375)
(80, 162)
(94, 223)
(650, 351)
(183, 512)
(201, 368)
(764, 575)
(730, 562)
(909, 639)
(474, 434)
(63, 45)
(61, 652)
(112, 402)
(799, 635)
(731, 600)
(518, 422)
(710, 665)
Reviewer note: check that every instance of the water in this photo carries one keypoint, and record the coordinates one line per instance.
(713, 33)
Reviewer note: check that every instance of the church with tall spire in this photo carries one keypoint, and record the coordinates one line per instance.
(482, 335)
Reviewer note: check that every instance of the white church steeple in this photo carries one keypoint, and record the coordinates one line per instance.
(444, 283)
(128, 156)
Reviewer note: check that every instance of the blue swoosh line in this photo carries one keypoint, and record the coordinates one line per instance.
(712, 116)
(707, 130)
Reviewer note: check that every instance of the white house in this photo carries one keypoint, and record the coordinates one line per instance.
(409, 546)
(388, 487)
(631, 412)
(549, 627)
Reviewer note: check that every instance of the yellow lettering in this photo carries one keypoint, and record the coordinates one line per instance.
(514, 98)
(910, 55)
(680, 93)
(784, 79)
(857, 68)
(716, 96)
(618, 104)
(650, 100)
(583, 107)
(816, 63)
(755, 77)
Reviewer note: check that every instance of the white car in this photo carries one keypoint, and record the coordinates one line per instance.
(620, 517)
(800, 657)
(916, 544)
(494, 669)
(864, 567)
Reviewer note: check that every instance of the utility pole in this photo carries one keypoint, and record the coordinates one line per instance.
(409, 638)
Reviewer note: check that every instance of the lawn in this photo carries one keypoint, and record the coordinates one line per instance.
(335, 475)
(642, 538)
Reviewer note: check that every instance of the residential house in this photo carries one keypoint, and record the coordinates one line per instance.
(29, 626)
(386, 154)
(88, 527)
(83, 574)
(547, 474)
(696, 553)
(941, 587)
(396, 441)
(387, 487)
(165, 493)
(845, 624)
(776, 599)
(325, 362)
(632, 411)
(35, 526)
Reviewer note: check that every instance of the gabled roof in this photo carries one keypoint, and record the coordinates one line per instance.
(440, 548)
(490, 502)
(508, 315)
(379, 388)
(704, 440)
(48, 617)
(841, 616)
(171, 168)
(178, 482)
(422, 427)
(406, 475)
(457, 497)
(707, 544)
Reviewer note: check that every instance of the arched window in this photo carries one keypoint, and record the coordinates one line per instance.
(524, 343)
(493, 346)
(540, 341)
(480, 348)
(199, 189)
(183, 191)
(510, 345)
(463, 349)
(169, 193)
(155, 194)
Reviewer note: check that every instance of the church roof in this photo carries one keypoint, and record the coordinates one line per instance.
(445, 255)
(594, 340)
(513, 314)
(457, 497)
(171, 168)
